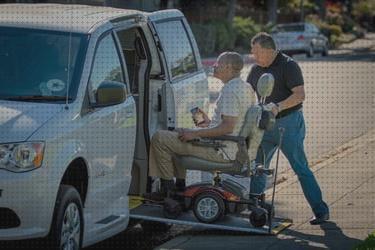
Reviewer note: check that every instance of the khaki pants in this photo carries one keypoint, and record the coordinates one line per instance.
(164, 144)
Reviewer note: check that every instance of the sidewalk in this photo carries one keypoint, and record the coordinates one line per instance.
(348, 184)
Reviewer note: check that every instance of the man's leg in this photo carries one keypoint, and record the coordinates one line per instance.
(267, 150)
(164, 145)
(292, 147)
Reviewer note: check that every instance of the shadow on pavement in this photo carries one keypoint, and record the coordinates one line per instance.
(333, 238)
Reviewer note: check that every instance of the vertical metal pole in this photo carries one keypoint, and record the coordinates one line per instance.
(281, 132)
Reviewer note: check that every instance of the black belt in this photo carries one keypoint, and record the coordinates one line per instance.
(287, 112)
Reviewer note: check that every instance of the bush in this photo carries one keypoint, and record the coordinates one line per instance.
(331, 31)
(205, 37)
(368, 243)
(245, 29)
(224, 35)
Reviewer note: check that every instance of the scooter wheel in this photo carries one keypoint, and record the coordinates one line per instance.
(258, 217)
(171, 209)
(270, 209)
(208, 207)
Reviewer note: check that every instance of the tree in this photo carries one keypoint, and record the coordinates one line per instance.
(272, 11)
(231, 10)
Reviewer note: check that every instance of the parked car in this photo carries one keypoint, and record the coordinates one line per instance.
(82, 91)
(294, 38)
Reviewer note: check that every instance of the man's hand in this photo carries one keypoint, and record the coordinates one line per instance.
(272, 107)
(206, 121)
(186, 135)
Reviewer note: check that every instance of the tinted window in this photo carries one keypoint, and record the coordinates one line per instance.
(177, 47)
(107, 66)
(37, 63)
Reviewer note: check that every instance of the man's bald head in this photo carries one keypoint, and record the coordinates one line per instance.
(233, 60)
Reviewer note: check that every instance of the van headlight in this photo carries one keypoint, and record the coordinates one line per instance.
(21, 157)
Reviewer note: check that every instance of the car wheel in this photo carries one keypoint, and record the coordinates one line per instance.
(208, 207)
(325, 50)
(67, 225)
(310, 51)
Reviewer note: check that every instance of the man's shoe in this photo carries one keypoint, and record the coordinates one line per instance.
(316, 220)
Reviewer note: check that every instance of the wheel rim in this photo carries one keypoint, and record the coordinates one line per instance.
(208, 208)
(71, 228)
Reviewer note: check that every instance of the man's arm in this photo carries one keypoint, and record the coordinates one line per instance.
(296, 98)
(225, 127)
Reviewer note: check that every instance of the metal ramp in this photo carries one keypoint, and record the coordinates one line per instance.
(240, 223)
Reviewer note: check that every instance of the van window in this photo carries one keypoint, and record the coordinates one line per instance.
(106, 67)
(178, 49)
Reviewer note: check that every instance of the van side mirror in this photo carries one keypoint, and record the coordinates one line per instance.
(110, 93)
(265, 85)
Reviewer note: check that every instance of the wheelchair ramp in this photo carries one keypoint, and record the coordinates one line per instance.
(240, 223)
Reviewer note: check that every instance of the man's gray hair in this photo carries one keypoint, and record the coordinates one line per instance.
(264, 39)
(233, 59)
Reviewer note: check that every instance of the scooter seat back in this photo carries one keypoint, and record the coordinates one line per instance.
(251, 131)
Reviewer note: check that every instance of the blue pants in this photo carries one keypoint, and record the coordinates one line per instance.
(292, 148)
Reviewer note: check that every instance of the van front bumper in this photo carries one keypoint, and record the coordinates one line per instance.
(27, 203)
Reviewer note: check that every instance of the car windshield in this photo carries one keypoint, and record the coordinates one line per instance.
(35, 64)
(290, 28)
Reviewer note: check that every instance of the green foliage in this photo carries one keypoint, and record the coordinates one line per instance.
(368, 243)
(225, 36)
(295, 5)
(332, 31)
(205, 37)
(215, 36)
(245, 29)
(364, 7)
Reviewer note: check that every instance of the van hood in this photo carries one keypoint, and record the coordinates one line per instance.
(19, 120)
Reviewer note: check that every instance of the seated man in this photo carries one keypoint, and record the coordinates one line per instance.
(234, 100)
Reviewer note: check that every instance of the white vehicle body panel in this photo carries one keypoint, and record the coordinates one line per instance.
(103, 138)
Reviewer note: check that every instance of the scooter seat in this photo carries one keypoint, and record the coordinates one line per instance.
(195, 163)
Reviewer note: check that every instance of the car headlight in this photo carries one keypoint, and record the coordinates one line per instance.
(21, 157)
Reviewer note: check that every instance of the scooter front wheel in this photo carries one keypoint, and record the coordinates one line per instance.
(208, 207)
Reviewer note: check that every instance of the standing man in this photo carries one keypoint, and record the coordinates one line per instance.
(286, 102)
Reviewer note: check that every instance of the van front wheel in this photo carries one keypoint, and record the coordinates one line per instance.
(67, 226)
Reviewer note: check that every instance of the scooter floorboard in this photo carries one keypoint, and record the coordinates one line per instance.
(153, 212)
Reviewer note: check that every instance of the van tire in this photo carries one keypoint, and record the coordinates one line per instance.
(68, 199)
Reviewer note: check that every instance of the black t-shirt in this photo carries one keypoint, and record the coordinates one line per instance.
(287, 75)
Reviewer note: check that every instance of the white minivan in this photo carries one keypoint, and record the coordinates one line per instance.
(82, 91)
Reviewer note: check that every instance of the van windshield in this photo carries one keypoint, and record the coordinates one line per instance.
(35, 64)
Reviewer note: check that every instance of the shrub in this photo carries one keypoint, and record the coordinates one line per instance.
(244, 28)
(368, 243)
(224, 35)
(205, 37)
